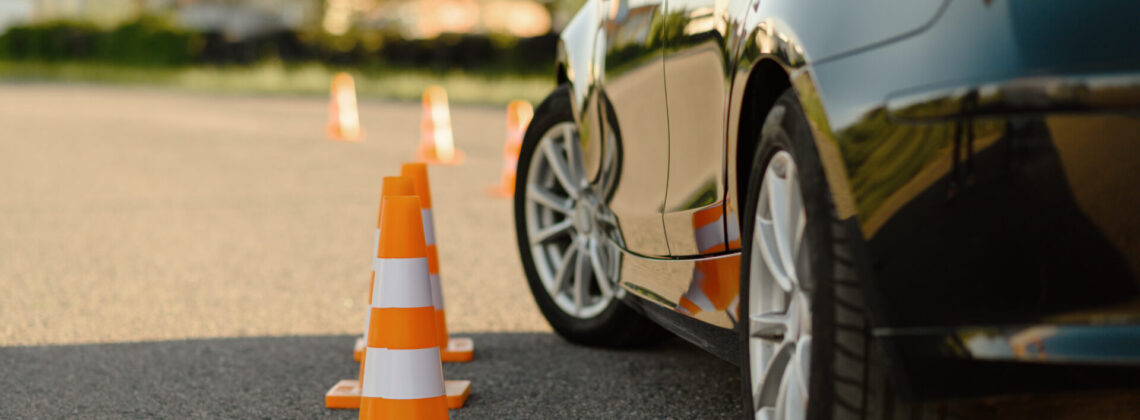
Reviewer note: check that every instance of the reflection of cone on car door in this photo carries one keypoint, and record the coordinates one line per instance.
(716, 283)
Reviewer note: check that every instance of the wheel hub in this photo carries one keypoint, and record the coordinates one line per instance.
(585, 214)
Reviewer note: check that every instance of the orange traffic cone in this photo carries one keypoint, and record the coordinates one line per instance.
(436, 142)
(344, 118)
(403, 376)
(519, 114)
(716, 284)
(346, 393)
(454, 349)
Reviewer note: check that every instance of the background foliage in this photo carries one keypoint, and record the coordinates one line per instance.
(153, 42)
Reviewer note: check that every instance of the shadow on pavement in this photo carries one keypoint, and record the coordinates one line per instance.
(514, 375)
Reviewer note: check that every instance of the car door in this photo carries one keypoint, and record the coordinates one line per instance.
(633, 108)
(696, 66)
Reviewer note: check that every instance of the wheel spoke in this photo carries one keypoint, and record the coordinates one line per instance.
(559, 167)
(778, 205)
(581, 287)
(607, 218)
(768, 326)
(802, 364)
(764, 239)
(773, 374)
(548, 199)
(573, 153)
(766, 413)
(552, 231)
(559, 280)
(599, 274)
(792, 399)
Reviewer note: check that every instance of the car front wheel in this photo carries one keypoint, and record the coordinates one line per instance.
(805, 339)
(566, 233)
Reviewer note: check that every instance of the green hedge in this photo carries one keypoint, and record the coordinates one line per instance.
(147, 41)
(151, 41)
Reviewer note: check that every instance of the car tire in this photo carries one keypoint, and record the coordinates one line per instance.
(848, 370)
(616, 325)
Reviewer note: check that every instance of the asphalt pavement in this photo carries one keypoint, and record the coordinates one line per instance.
(139, 214)
(181, 255)
(515, 376)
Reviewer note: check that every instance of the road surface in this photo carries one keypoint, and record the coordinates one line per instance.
(169, 254)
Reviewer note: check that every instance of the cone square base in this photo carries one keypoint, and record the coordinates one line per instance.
(457, 392)
(344, 395)
(336, 133)
(459, 349)
(358, 349)
(429, 156)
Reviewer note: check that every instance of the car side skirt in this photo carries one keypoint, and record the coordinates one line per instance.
(704, 314)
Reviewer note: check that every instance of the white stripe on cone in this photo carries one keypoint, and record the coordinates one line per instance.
(374, 371)
(375, 266)
(412, 374)
(429, 239)
(436, 293)
(710, 235)
(403, 374)
(399, 283)
(733, 228)
(697, 295)
(429, 227)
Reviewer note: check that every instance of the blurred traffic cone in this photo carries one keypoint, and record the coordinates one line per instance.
(519, 114)
(346, 393)
(344, 118)
(454, 349)
(436, 142)
(716, 284)
(403, 377)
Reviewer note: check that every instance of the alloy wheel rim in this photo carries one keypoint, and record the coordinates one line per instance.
(779, 319)
(569, 226)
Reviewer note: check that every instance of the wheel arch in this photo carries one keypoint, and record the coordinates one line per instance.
(764, 85)
(574, 62)
(770, 58)
(560, 77)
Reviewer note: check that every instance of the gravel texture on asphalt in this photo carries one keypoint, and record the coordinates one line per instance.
(514, 376)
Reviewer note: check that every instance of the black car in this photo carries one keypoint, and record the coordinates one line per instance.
(862, 204)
